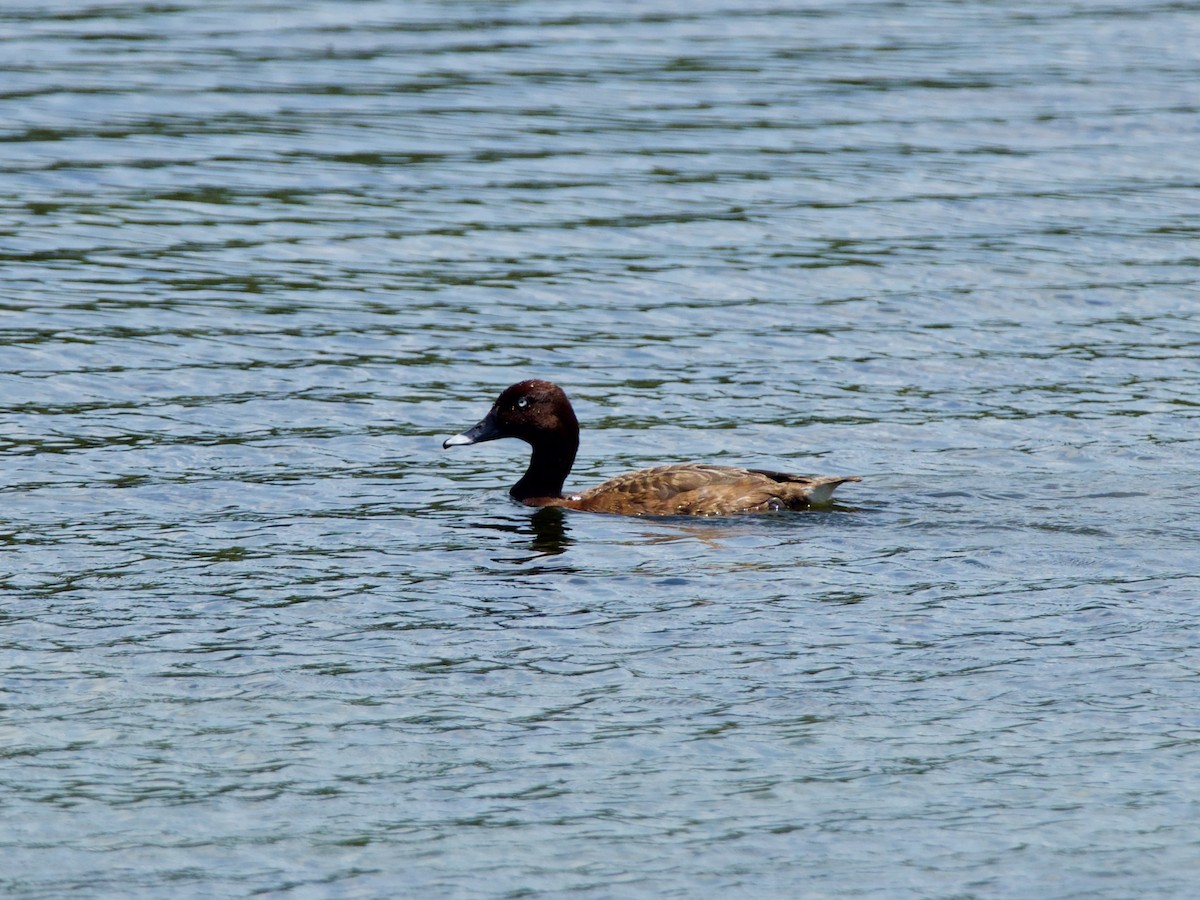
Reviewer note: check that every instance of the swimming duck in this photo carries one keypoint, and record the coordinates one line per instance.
(539, 413)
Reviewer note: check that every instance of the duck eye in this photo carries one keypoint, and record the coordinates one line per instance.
(523, 402)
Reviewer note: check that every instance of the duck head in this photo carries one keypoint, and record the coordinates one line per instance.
(538, 413)
(532, 411)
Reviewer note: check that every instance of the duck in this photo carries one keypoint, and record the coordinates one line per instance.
(539, 413)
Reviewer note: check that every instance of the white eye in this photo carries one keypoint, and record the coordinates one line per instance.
(523, 402)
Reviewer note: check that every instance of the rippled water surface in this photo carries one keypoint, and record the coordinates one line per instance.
(260, 634)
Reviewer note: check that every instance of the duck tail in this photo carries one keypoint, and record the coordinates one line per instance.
(820, 490)
(799, 492)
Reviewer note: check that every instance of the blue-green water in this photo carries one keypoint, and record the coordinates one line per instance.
(259, 634)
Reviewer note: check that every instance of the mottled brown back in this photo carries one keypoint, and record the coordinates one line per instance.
(703, 490)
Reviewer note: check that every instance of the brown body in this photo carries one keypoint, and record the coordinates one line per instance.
(701, 490)
(539, 413)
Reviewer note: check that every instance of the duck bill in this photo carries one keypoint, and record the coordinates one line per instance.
(483, 430)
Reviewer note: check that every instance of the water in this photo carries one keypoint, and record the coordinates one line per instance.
(261, 635)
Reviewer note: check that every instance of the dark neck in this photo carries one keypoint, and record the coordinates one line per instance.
(548, 469)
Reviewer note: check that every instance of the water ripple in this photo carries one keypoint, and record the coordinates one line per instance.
(262, 258)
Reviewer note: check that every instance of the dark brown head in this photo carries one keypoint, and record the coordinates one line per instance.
(538, 413)
(533, 411)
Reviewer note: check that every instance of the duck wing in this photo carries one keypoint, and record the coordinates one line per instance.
(704, 490)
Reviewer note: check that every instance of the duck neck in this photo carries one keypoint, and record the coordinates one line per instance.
(549, 466)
